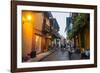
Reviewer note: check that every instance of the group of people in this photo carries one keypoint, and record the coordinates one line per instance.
(72, 49)
(76, 50)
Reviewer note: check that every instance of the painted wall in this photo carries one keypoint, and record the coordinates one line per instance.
(27, 24)
(30, 21)
(38, 20)
(87, 38)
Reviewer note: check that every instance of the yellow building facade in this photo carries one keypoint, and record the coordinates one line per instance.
(82, 39)
(32, 34)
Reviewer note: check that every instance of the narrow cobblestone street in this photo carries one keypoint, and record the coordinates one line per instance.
(57, 56)
(61, 55)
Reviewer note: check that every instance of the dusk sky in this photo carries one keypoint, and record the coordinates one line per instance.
(61, 19)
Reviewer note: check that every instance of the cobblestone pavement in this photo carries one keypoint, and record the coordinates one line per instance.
(61, 55)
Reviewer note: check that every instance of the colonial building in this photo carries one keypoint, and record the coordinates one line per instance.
(54, 31)
(38, 29)
(80, 32)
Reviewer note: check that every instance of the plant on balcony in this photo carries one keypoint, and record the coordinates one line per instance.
(79, 22)
(70, 34)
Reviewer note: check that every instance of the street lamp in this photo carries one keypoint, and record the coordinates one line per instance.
(28, 17)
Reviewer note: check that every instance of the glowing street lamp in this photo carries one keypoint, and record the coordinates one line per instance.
(29, 17)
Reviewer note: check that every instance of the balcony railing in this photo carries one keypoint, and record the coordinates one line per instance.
(46, 28)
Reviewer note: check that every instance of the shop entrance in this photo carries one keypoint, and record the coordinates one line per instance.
(38, 44)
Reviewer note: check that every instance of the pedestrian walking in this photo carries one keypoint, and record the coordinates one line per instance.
(69, 53)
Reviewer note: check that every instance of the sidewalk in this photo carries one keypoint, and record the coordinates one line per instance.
(41, 56)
